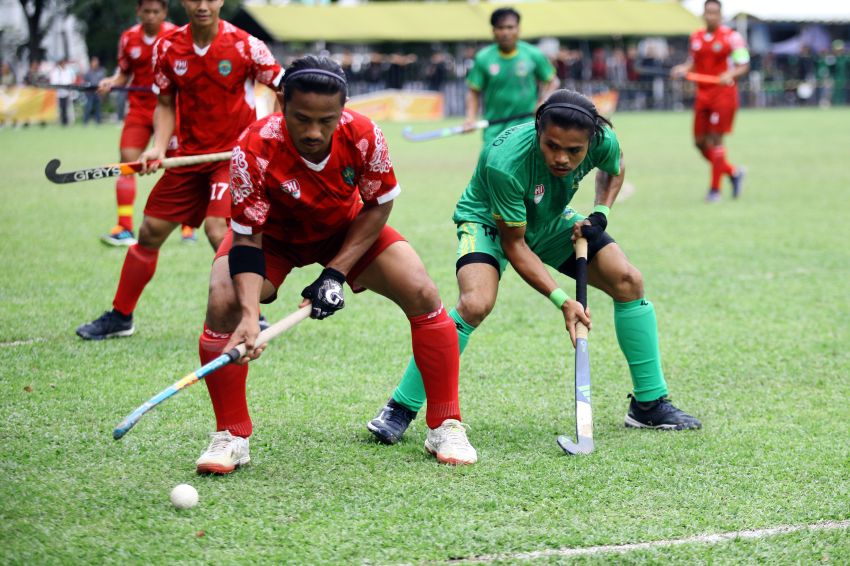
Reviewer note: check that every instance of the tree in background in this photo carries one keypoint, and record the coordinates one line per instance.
(40, 15)
(104, 20)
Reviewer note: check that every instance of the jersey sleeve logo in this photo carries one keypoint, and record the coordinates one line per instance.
(181, 67)
(224, 67)
(240, 178)
(292, 188)
(380, 162)
(260, 54)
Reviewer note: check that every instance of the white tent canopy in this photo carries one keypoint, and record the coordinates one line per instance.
(823, 11)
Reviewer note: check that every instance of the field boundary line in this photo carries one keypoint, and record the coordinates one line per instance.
(623, 548)
(21, 342)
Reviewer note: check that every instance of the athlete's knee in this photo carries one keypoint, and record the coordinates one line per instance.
(474, 308)
(153, 233)
(627, 284)
(215, 228)
(223, 311)
(422, 296)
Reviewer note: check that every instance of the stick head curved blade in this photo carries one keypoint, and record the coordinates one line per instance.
(584, 446)
(50, 170)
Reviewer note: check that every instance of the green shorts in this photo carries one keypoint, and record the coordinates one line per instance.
(480, 243)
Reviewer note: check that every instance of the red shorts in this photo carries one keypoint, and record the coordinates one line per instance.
(189, 194)
(281, 258)
(137, 131)
(714, 118)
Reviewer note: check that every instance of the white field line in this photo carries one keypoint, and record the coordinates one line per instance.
(20, 342)
(624, 548)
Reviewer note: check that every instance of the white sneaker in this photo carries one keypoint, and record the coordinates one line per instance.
(224, 454)
(449, 444)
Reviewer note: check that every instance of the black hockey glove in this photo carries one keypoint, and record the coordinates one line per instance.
(325, 293)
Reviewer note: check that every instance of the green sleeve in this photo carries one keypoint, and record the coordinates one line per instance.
(606, 154)
(506, 198)
(476, 75)
(543, 69)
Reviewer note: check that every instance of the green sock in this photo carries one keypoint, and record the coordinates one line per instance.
(637, 333)
(411, 391)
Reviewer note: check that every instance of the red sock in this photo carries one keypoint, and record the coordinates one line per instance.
(226, 386)
(706, 152)
(435, 349)
(719, 166)
(139, 267)
(125, 194)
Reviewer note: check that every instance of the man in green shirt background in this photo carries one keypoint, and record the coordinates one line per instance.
(510, 77)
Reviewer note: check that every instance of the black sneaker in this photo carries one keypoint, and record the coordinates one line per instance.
(109, 325)
(391, 422)
(659, 414)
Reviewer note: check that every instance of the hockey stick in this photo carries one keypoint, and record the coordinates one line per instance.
(129, 168)
(90, 87)
(455, 130)
(266, 335)
(665, 73)
(584, 413)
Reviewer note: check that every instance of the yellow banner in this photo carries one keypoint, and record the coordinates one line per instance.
(399, 105)
(28, 104)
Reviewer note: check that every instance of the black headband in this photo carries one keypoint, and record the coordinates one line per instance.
(288, 76)
(575, 107)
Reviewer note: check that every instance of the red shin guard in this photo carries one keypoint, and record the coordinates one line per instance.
(226, 386)
(435, 349)
(719, 166)
(139, 267)
(125, 194)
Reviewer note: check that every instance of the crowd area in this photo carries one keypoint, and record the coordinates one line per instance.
(637, 71)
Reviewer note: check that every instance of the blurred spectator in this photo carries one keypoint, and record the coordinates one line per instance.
(34, 76)
(93, 76)
(7, 76)
(598, 65)
(63, 74)
(437, 71)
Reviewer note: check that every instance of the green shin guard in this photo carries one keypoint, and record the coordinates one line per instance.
(637, 333)
(411, 391)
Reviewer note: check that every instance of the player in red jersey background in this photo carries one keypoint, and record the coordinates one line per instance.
(204, 75)
(711, 51)
(316, 185)
(135, 50)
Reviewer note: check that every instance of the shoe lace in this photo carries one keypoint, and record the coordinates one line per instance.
(220, 443)
(455, 432)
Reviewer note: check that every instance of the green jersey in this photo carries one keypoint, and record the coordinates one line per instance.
(508, 83)
(512, 183)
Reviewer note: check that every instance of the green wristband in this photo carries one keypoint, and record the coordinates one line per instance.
(603, 209)
(558, 297)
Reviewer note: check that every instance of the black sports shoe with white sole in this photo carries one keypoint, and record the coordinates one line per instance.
(659, 414)
(109, 325)
(391, 422)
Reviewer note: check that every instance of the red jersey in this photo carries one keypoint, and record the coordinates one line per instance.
(710, 52)
(135, 51)
(275, 191)
(214, 85)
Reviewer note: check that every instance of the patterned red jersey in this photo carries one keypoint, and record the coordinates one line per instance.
(710, 52)
(214, 85)
(135, 51)
(277, 192)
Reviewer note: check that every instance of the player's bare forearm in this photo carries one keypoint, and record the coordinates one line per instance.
(364, 231)
(164, 120)
(524, 260)
(608, 186)
(471, 105)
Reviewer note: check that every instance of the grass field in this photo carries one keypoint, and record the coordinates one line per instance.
(753, 304)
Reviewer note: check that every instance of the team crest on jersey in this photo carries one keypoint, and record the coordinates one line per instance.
(348, 175)
(494, 68)
(539, 191)
(521, 69)
(292, 188)
(717, 46)
(135, 52)
(181, 66)
(696, 45)
(224, 67)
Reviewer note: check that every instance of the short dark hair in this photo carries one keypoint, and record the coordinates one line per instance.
(571, 109)
(707, 2)
(327, 77)
(163, 3)
(500, 14)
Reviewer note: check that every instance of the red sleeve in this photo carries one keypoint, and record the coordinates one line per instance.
(162, 79)
(249, 202)
(377, 182)
(123, 59)
(264, 68)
